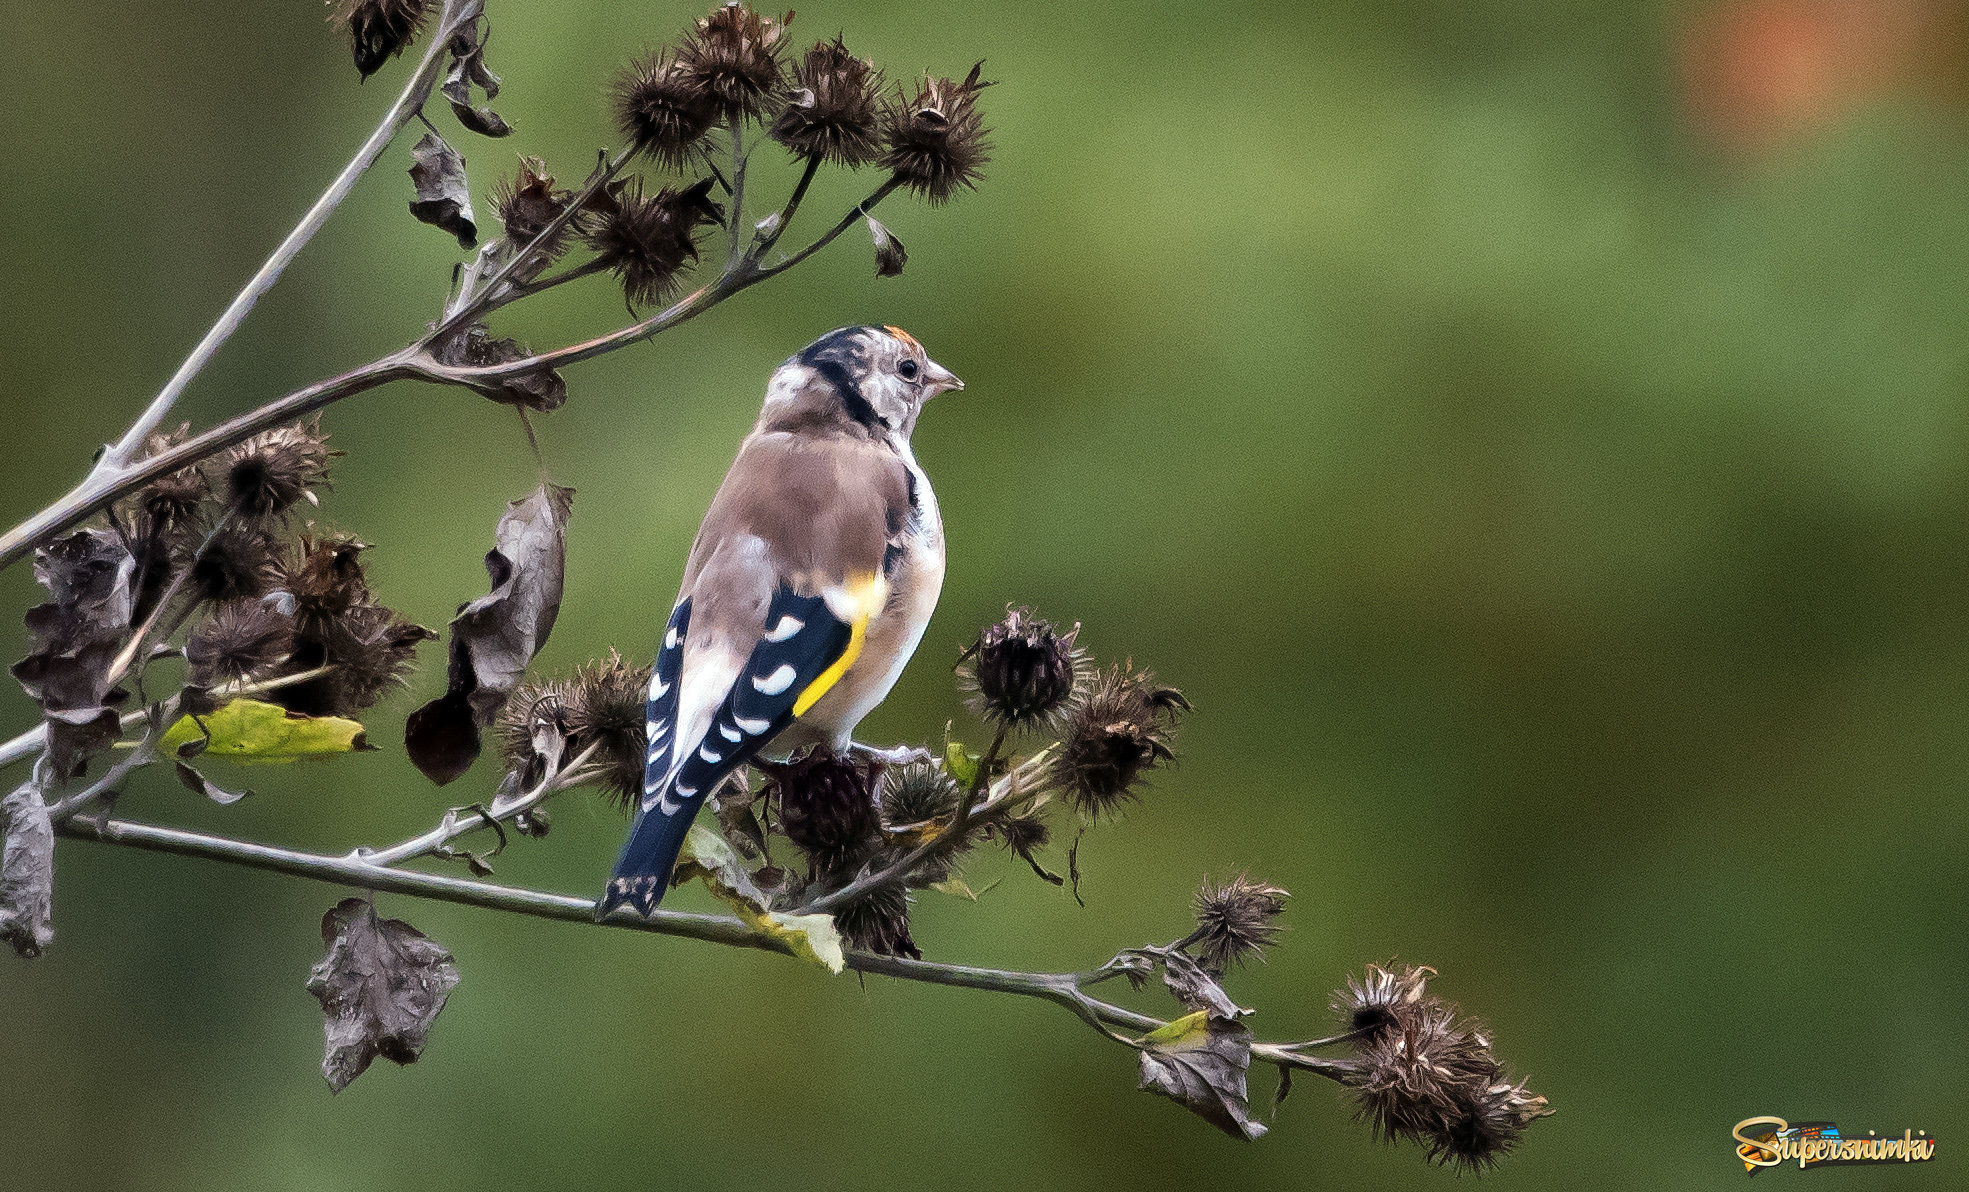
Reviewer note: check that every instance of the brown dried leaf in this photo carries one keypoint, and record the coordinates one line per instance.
(495, 637)
(1197, 989)
(468, 70)
(77, 635)
(381, 985)
(27, 871)
(1199, 1061)
(889, 254)
(444, 199)
(195, 781)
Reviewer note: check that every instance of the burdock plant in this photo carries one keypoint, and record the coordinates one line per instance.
(198, 611)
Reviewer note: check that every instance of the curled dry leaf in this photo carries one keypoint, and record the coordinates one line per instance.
(444, 199)
(27, 871)
(1197, 989)
(889, 255)
(474, 347)
(495, 637)
(381, 985)
(77, 634)
(195, 781)
(1199, 1061)
(468, 70)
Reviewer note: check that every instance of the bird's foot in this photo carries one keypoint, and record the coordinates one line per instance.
(901, 755)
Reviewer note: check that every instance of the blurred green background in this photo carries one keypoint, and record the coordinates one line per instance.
(1534, 434)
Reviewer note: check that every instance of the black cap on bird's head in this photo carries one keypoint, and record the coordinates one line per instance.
(873, 380)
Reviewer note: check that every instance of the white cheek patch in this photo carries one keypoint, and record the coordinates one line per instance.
(787, 627)
(776, 682)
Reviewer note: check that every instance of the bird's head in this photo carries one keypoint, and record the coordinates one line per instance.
(866, 380)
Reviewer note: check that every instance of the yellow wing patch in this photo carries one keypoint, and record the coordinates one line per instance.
(860, 599)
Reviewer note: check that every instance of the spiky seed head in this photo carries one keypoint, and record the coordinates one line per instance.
(242, 561)
(1377, 1000)
(528, 204)
(605, 708)
(1237, 920)
(645, 239)
(663, 109)
(267, 473)
(533, 717)
(878, 922)
(325, 578)
(827, 808)
(936, 141)
(1486, 1123)
(1023, 672)
(733, 57)
(917, 793)
(176, 499)
(1114, 735)
(835, 111)
(379, 29)
(372, 650)
(239, 641)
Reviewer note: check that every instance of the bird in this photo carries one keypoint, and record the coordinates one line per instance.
(806, 591)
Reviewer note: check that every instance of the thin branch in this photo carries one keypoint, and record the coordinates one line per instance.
(409, 104)
(452, 827)
(859, 211)
(1062, 989)
(787, 212)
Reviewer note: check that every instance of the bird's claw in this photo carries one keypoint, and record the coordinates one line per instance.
(901, 755)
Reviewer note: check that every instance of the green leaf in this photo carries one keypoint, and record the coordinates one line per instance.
(961, 763)
(1199, 1061)
(247, 730)
(811, 937)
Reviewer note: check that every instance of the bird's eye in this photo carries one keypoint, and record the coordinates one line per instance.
(907, 370)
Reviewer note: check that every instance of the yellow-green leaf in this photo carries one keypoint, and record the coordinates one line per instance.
(247, 730)
(1190, 1028)
(961, 763)
(811, 937)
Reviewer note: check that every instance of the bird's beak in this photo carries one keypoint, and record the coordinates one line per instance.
(938, 379)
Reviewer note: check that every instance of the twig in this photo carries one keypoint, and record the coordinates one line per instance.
(452, 827)
(1062, 989)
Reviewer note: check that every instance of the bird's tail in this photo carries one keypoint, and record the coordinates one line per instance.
(642, 871)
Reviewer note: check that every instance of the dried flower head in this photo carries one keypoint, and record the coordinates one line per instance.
(663, 109)
(827, 808)
(1426, 1074)
(1377, 1000)
(878, 922)
(646, 239)
(533, 723)
(528, 204)
(835, 111)
(918, 793)
(733, 58)
(936, 141)
(241, 640)
(1235, 921)
(372, 650)
(175, 499)
(243, 560)
(379, 29)
(326, 579)
(267, 473)
(1486, 1123)
(1022, 671)
(1120, 730)
(605, 708)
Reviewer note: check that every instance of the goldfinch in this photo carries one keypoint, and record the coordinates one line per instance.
(807, 590)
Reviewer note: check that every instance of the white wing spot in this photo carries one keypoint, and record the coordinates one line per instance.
(787, 627)
(686, 791)
(730, 734)
(655, 728)
(751, 727)
(658, 688)
(776, 682)
(707, 755)
(670, 638)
